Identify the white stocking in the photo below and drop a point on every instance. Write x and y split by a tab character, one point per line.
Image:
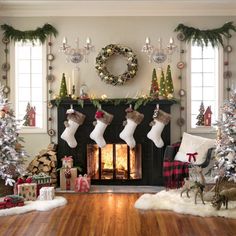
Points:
75	119
97	134
69	133
155	133
128	132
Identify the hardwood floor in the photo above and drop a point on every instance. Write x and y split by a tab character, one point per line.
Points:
111	215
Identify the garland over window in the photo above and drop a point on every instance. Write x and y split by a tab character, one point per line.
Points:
105	54
204	37
40	34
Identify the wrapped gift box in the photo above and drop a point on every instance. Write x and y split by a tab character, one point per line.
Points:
82	183
41	178
28	191
21	180
68	183
47	193
39	186
67	162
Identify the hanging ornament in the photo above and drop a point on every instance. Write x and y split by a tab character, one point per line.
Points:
180	65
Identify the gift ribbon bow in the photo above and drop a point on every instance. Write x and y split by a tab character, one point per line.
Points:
22	181
192	155
99	114
67	158
81	178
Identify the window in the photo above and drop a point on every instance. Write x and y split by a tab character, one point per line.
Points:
204	85
30	86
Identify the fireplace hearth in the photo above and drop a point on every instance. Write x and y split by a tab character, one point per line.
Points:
116	163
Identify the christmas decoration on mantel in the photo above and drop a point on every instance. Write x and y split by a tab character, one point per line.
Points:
154	91
40	34
105	54
203	37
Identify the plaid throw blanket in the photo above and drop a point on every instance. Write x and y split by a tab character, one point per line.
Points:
174	173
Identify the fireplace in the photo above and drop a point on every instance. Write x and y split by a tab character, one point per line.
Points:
115	164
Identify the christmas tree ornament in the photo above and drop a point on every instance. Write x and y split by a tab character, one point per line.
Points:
162	91
103	119
154	91
133	118
200	116
63	89
74	120
169	87
160	119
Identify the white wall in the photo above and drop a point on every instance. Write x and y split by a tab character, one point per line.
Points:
129	31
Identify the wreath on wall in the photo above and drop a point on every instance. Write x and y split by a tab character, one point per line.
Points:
204	37
103	57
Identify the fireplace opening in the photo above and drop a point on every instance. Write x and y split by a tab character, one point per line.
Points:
114	162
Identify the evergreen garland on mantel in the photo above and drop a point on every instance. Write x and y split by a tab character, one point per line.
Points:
40	34
204	37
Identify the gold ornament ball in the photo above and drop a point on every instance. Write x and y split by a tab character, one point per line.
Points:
55	96
73	96
170	96
2	114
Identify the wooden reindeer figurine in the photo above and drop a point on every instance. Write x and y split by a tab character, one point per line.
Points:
197	186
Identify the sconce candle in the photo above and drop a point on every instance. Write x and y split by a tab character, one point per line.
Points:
158	54
76	55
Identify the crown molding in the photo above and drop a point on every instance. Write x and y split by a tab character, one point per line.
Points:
117	8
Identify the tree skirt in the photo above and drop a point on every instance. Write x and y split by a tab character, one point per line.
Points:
171	200
35	206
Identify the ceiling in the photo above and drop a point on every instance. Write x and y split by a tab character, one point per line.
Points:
118	8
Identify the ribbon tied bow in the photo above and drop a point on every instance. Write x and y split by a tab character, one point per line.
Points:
192	155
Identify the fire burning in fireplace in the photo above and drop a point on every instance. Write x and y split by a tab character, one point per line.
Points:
115	161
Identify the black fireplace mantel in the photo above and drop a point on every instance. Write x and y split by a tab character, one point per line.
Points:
152	157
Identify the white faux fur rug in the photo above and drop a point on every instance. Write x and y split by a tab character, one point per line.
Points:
35	206
171	200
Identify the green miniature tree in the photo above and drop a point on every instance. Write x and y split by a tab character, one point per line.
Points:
154	91
162	91
169	87
63	88
26	117
200	116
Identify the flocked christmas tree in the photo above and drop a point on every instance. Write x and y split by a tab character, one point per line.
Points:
26	118
162	91
226	139
200	116
154	91
169	84
63	88
12	155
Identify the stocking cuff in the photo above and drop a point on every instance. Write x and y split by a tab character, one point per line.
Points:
104	117
163	117
76	117
135	116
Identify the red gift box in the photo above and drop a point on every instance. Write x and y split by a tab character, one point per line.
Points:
82	183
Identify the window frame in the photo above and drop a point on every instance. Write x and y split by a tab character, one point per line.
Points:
206	129
13	98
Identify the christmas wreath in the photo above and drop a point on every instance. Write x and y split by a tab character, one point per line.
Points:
103	57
